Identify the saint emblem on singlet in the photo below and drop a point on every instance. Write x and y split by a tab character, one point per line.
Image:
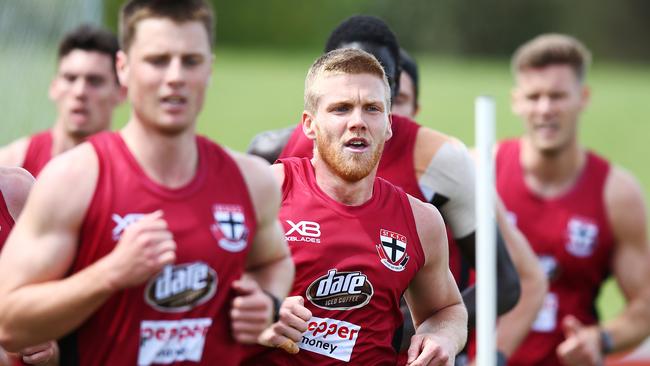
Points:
392	250
582	236
230	227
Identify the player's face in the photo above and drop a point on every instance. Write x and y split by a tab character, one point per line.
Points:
550	100
85	92
167	70
404	103
351	123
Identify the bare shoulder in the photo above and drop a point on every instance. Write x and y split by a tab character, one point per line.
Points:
14	153
622	190
430	142
625	203
15	184
262	186
65	186
429	225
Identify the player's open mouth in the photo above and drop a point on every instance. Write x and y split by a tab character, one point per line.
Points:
175	100
356	144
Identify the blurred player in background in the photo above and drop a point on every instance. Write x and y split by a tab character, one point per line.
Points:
584	217
85	90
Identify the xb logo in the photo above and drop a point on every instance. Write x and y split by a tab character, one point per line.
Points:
304	228
121	223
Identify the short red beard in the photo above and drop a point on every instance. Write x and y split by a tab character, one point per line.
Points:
349	168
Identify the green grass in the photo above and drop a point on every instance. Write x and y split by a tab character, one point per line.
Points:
253	91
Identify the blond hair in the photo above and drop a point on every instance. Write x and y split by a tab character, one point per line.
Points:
342	61
552	49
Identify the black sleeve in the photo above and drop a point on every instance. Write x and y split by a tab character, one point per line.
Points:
508	286
269	144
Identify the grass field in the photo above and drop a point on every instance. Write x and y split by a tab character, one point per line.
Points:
256	90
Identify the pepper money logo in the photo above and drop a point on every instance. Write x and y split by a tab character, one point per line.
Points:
181	287
340	290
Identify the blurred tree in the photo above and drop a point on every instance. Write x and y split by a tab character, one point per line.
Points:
615	29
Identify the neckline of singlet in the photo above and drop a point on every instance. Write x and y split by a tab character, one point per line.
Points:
586	168
369	206
170	193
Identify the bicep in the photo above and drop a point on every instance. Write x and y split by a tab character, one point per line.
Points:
628	218
433	287
43	242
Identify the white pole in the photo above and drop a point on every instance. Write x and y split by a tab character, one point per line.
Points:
486	234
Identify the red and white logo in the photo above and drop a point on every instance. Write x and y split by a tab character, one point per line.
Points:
582	236
392	250
230	227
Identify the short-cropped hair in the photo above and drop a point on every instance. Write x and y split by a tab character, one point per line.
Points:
552	49
342	61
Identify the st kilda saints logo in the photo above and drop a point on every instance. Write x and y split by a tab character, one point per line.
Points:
392	250
181	287
230	221
340	290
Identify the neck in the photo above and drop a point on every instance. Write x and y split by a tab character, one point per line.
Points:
63	141
169	160
551	174
340	190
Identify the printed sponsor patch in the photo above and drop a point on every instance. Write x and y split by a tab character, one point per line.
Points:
330	337
546	320
303	231
181	287
121	223
169	341
340	290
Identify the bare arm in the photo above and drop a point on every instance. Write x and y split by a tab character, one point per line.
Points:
14	153
444	166
269	260
41	249
439	316
515	324
628	216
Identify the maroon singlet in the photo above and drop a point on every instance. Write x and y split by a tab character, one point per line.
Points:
39	152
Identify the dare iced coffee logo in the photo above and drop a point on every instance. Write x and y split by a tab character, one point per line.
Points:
340	290
181	287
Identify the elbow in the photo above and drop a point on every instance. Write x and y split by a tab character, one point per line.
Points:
539	288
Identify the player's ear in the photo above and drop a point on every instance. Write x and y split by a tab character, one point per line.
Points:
389	127
308	125
52	92
121	64
585	96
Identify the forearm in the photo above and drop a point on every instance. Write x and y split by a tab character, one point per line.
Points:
63	305
449	324
513	326
631	326
275	277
